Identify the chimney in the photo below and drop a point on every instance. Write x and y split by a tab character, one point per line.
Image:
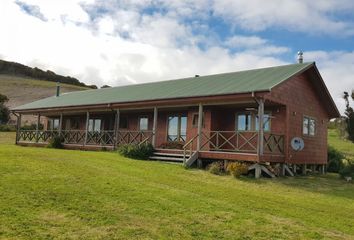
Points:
300	57
58	89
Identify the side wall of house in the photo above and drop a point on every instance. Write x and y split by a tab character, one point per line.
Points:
301	99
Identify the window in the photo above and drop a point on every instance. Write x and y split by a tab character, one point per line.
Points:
266	123
123	122
53	124
177	128
195	120
309	126
244	122
143	123
94	125
249	122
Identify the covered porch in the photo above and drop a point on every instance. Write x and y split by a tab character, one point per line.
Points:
227	131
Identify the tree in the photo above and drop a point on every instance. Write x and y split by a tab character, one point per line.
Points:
349	115
105	86
4	111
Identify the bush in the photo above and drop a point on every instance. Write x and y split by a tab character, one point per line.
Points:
347	170
335	160
7	128
56	142
172	145
216	168
237	169
136	151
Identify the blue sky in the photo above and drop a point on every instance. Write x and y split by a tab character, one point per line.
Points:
126	42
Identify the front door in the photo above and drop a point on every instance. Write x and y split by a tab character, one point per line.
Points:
177	128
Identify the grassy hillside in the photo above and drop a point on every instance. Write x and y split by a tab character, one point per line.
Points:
63	194
21	90
343	146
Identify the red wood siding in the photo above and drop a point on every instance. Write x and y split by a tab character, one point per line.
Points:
301	99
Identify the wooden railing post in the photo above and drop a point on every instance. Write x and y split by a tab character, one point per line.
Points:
260	144
37	127
116	129
60	124
154	127
200	126
87	125
200	122
18	127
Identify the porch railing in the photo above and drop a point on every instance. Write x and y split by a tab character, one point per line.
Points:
134	137
233	141
36	136
105	138
100	138
240	141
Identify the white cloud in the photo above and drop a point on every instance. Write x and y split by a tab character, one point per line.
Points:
337	70
124	46
307	16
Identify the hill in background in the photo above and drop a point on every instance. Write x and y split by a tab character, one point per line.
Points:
17	69
23	84
22	90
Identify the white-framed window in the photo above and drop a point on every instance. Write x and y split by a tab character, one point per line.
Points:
143	123
94	125
309	126
248	121
53	124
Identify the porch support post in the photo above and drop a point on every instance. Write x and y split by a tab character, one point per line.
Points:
60	123
87	125
200	122
154	127
18	127
200	126
260	128
116	129
37	127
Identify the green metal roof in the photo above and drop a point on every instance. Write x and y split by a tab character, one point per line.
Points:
219	84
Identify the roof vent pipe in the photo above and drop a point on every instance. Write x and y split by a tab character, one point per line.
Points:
58	89
300	56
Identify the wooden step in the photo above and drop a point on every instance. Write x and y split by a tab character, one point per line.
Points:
170	154
164	158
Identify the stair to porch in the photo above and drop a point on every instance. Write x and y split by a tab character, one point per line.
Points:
169	157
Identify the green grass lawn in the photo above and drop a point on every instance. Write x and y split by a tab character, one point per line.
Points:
63	194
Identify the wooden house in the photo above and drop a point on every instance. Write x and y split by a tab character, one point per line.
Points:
291	101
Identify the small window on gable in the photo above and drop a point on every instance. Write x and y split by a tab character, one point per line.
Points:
309	126
195	120
143	123
123	122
